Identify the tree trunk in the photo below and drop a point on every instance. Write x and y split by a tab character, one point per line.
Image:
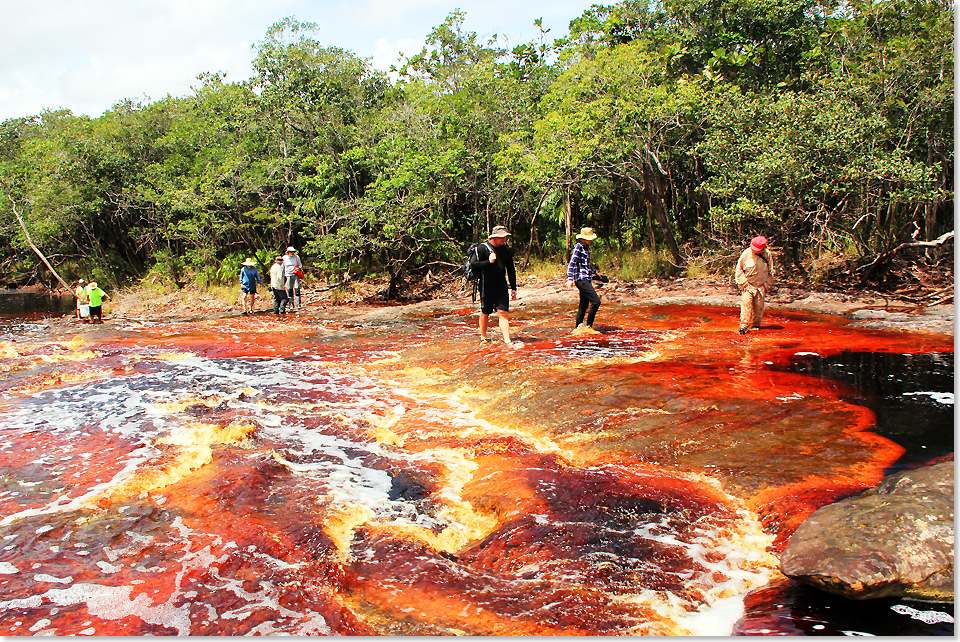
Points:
26	233
652	189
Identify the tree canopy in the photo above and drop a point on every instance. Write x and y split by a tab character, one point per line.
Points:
679	127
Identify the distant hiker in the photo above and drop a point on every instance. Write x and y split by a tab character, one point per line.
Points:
292	272
249	277
97	297
494	263
754	277
581	273
83	301
279	286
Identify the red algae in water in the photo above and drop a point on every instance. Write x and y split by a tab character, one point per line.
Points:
288	476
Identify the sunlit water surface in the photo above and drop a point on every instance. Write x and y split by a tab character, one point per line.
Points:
300	476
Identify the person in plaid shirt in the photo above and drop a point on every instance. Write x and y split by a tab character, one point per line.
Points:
581	273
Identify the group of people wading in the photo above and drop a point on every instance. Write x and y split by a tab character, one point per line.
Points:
498	282
285	276
493	261
90	300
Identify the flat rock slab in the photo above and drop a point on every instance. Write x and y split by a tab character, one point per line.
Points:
894	540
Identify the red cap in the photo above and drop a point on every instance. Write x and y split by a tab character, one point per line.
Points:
758	243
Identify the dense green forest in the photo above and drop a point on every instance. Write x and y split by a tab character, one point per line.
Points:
678	129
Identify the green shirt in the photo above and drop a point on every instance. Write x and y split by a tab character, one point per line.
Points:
96	297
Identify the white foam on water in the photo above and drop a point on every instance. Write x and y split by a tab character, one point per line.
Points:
716	620
927	617
945	398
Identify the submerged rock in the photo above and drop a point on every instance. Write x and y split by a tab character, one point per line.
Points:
894	540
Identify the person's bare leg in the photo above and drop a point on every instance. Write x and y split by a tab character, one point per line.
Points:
505	326
484	322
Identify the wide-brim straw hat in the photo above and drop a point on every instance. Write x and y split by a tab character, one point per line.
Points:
499	232
291	249
92	285
587	233
250	262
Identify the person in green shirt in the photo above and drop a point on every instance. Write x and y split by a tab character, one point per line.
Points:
97	297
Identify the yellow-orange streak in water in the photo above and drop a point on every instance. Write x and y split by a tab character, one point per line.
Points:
191	450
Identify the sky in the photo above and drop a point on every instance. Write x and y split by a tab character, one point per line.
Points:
87	55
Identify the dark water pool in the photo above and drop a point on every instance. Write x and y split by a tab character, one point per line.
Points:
911	394
35	303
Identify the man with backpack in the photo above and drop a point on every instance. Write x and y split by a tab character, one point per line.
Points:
493	262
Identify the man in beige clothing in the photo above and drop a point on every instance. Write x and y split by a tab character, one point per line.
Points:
754	276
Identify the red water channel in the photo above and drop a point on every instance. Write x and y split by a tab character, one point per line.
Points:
300	476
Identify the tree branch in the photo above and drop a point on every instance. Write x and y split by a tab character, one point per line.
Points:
26	233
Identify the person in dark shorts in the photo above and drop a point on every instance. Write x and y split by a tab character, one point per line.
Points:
494	263
97	297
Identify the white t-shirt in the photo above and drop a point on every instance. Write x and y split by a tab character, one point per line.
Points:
290	262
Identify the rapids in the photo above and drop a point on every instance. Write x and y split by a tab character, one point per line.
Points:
387	475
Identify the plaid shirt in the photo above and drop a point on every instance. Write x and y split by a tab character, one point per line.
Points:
580	267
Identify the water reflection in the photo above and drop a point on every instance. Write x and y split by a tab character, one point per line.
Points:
386	476
19	302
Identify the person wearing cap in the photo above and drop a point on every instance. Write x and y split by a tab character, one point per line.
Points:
83	299
249	277
581	273
754	277
278	286
97	297
494	263
292	265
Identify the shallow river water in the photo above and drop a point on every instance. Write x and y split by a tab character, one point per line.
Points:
257	475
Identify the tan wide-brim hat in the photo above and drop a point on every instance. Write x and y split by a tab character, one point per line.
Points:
587	233
290	249
250	262
92	285
499	232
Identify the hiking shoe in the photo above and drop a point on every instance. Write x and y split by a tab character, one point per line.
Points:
743	329
584	329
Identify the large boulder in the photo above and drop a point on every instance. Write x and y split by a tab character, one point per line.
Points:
894	540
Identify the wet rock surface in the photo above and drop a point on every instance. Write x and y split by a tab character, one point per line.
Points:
894	540
866	309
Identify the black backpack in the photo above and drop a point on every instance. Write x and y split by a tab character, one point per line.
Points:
472	255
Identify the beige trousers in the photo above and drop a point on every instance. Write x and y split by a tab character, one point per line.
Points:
751	307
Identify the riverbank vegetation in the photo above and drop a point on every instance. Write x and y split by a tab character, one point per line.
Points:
677	129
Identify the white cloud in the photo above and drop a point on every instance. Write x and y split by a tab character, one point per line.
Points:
88	55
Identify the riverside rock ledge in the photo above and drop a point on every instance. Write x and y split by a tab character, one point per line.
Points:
893	540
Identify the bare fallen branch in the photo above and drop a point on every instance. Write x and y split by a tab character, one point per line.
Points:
883	257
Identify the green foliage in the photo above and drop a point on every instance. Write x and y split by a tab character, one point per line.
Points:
676	128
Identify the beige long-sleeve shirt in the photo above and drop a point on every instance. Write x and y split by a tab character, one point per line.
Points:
753	270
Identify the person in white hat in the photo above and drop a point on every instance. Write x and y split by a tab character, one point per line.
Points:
581	273
494	263
97	297
292	268
83	300
249	277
